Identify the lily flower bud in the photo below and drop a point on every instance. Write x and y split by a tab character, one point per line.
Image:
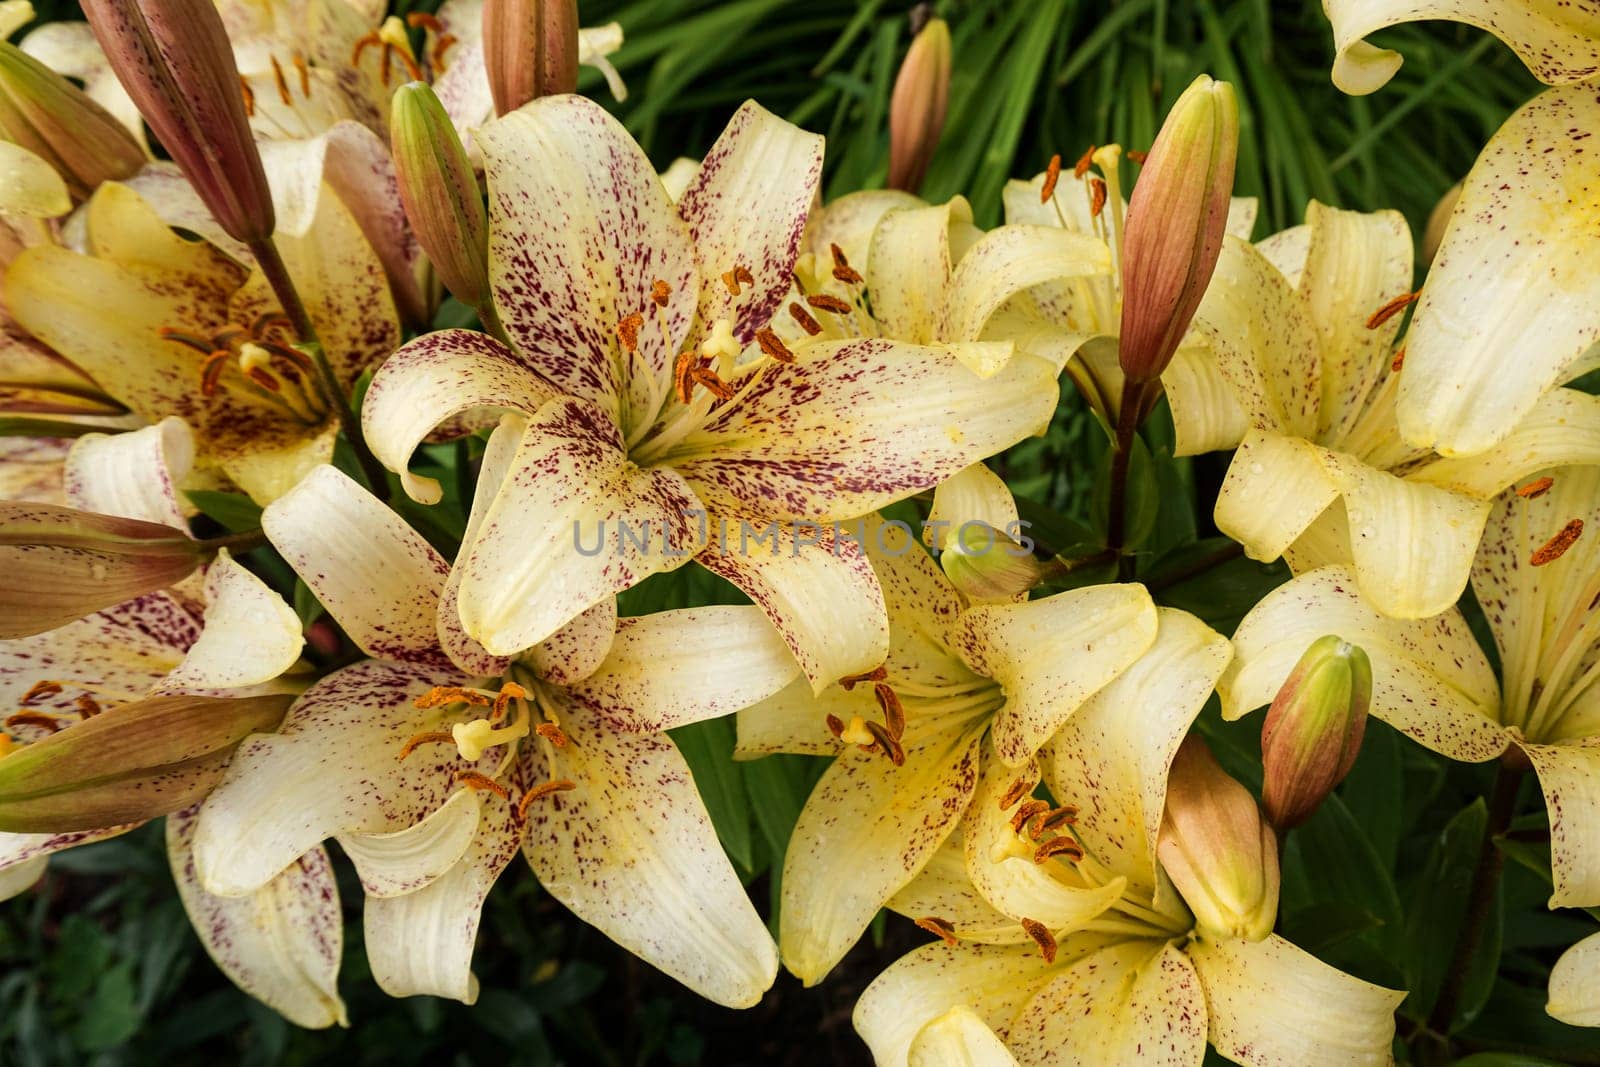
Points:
1220	853
61	564
58	122
988	564
917	106
440	192
1313	730
530	48
1176	220
128	764
174	59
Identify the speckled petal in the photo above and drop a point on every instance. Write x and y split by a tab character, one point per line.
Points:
865	832
795	720
1205	414
575	651
1429	678
564	656
850	222
683	666
282	943
1560	42
972	494
959	1038
378	577
23	857
910	269
579	231
574	522
122	652
434	379
1575	984
1110	760
1569	775
1134	1002
943	890
1563	428
1273	1005
1051	655
747	208
816	587
1008	261
249	635
632	852
1512	281
852	426
20	877
134	474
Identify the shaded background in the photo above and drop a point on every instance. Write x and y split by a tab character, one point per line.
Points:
98	962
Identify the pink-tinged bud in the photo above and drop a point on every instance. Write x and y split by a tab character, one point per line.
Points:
134	762
61	564
1176	220
1220	853
440	192
917	107
1313	730
58	122
174	59
530	48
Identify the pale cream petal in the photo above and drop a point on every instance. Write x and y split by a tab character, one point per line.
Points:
281	944
135	475
747	208
909	270
29	187
1563	428
1569	775
249	635
815	586
1575	984
1051	655
1011	260
633	853
162	185
1429	678
851	221
401	862
973	494
24	857
573	652
378	577
1511	285
678	667
1205	413
70	49
1242	213
1137	1002
574	522
865	832
113	656
1288	250
678	175
421	943
958	1038
852	426
565	655
1274	1005
1559	42
20	877
795	720
579	231
1110	760
944	890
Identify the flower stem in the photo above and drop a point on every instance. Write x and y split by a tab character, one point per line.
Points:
1480	901
1133	396
277	275
243	541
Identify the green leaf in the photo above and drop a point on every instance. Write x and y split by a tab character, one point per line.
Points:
708	749
1332	864
1374	791
111	1016
235	511
1439	905
1142	498
306	604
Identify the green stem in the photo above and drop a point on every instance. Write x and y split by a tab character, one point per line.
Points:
1226	554
1133	395
244	541
277	275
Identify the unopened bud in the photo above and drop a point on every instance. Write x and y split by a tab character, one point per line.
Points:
988	564
440	192
530	48
135	762
174	59
917	107
58	122
1218	850
1176	221
61	564
1313	730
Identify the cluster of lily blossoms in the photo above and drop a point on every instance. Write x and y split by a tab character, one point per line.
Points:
660	359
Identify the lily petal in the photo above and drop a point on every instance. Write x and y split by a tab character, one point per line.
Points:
134	474
1562	429
564	656
1569	775
401	862
1573	984
20	877
851	221
1011	260
943	890
1430	679
794	720
575	651
1205	413
121	652
1274	1005
910	269
747	208
250	635
281	944
1509	281
865	832
632	852
958	1038
972	494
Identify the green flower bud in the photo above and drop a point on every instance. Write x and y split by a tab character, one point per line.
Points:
530	48
987	564
1313	730
918	105
134	762
58	122
440	192
1218	850
1176	221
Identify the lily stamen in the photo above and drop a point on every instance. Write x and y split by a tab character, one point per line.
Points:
433	737
440	695
1058	846
481	783
1392	308
281	82
544	789
1080	168
890	744
1025	813
43	688
842	270
33	718
1536	488
552	733
894	713
1052	174
304	70
1042	937
249	95
850	681
807	322
773	346
1557	546
939	928
824	302
1097	197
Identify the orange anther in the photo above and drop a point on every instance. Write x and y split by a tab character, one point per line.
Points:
481	782
552	733
1058	846
1557	546
891	745
835	725
1097	197
451	694
824	302
803	317
425	20
939	928
211	371
1026	811
1052	174
1532	491
1055	819
1015	792
731	280
263	379
683	376
742	274
660	292
894	713
249	95
628	331
282	84
1042	937
40	689
508	692
850	681
1136	156
87	706
707	379
1398	361
1392	308
773	346
33	718
432	738
1080	168
559	785
304	70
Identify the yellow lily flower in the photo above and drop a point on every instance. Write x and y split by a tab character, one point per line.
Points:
968	692
1082	952
1299	371
434	764
1559	41
169	326
658	397
1537	575
224	633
